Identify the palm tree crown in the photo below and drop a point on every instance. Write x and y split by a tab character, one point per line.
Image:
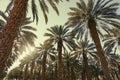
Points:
96	15
57	33
43	5
101	11
24	38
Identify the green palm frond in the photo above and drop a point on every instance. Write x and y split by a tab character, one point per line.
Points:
27	21
25	37
100	10
57	33
83	5
111	42
86	47
44	9
9	7
53	6
2	14
43	5
29	28
90	5
34	11
2	21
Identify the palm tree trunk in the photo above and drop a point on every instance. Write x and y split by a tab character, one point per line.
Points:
113	77
9	32
25	72
31	70
44	66
56	72
117	75
39	73
59	47
73	76
68	71
87	69
97	77
104	64
83	75
65	75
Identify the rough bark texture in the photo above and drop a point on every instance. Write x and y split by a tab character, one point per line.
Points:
44	66
83	75
86	66
73	76
95	37
68	71
39	74
9	31
60	60
25	72
32	70
55	73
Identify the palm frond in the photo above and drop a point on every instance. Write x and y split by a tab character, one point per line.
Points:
90	5
29	28
10	5
3	15
44	9
53	6
34	11
2	23
83	5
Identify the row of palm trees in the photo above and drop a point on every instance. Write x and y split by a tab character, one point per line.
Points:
75	59
86	19
25	37
17	10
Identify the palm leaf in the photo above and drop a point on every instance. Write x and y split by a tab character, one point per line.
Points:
81	8
48	34
83	5
29	28
43	8
3	15
53	6
34	11
90	5
2	23
9	6
97	6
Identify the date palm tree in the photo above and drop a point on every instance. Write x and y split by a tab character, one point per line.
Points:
84	51
42	55
24	38
59	35
71	66
43	5
114	65
9	31
111	43
16	18
95	16
47	53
